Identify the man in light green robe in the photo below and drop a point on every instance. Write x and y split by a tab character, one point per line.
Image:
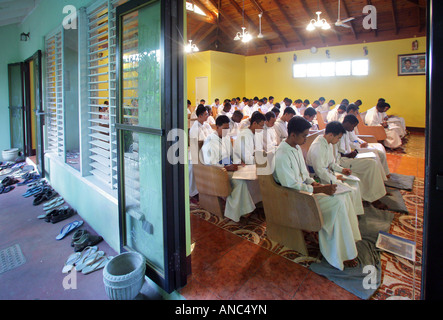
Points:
340	225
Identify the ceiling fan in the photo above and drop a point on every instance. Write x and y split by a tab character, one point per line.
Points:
342	23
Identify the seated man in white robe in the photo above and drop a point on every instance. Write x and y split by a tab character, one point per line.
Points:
322	164
198	132
337	114
210	120
276	110
247	109
326	106
242	104
270	104
345	145
226	110
371	182
264	106
363	146
299	107
216	103
269	135
375	117
340	224
322	102
244	154
398	123
280	125
309	115
217	151
234	124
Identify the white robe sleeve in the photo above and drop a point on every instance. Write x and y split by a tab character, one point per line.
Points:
287	174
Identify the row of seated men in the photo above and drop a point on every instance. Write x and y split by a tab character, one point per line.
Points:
395	127
331	162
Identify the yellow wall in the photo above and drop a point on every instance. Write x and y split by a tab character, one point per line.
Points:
198	65
227	76
225	72
405	94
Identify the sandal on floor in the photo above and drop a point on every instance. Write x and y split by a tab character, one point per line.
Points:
45	196
78	258
97	265
67	228
32	191
50	203
6	189
85	241
77	235
49	214
62	215
89	260
69	264
55	204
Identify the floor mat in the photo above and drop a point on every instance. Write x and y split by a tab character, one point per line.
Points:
11	258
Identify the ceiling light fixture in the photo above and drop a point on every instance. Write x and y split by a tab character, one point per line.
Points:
244	36
191	47
319	23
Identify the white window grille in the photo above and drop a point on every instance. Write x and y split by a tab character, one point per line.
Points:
102	86
54	92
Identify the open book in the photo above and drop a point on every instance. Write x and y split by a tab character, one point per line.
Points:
394	244
248	172
365	155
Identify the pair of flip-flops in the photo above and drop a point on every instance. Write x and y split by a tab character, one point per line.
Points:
46	195
60	214
29	177
33	191
9	181
54	203
6	189
85	240
68	228
88	261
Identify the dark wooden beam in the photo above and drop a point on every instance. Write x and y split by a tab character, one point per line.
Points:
251	23
351	23
312	16
208	12
192	33
270	22
394	15
221	14
288	20
208	31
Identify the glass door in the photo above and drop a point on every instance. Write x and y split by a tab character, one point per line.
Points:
16	117
150	100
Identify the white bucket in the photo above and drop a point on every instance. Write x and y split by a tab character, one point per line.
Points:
10	154
124	276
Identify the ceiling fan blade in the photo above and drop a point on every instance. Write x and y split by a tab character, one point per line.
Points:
341	24
347	20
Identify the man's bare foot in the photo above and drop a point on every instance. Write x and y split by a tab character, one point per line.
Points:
379	205
351	263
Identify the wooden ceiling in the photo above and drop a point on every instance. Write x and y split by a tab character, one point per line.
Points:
283	23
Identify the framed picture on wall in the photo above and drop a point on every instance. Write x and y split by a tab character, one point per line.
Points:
411	64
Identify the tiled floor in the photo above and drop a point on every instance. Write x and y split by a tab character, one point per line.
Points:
41	277
226	266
